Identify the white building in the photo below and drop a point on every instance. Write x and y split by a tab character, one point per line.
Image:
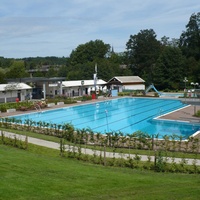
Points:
12	91
82	87
124	83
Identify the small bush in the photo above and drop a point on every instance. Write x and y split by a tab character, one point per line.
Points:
197	114
86	97
156	94
166	90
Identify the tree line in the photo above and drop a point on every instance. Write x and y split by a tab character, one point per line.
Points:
165	62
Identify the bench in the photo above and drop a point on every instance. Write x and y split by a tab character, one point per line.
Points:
11	110
50	105
60	103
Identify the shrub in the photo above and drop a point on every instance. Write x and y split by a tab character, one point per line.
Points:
166	90
86	97
156	94
24	105
197	114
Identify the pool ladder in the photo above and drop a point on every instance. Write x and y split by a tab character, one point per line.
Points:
38	108
160	112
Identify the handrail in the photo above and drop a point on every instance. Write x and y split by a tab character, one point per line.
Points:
37	107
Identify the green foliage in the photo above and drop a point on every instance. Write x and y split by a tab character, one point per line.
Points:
197	114
89	52
52	72
160	164
124	93
142	52
5	62
86	97
169	69
15	142
190	39
24	105
62	98
2	76
33	63
17	70
193	69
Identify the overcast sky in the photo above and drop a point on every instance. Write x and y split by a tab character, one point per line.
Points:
30	28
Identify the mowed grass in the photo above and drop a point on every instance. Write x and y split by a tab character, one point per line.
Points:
40	173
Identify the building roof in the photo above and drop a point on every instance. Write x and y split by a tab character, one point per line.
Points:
36	79
14	86
126	79
85	83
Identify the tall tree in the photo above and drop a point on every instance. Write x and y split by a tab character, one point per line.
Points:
142	51
193	70
190	39
2	76
89	52
170	70
52	72
17	70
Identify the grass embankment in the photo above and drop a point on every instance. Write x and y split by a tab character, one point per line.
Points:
39	173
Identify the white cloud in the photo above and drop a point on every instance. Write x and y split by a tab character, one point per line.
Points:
49	27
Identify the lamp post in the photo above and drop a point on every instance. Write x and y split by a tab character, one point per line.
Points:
185	81
194	84
95	80
82	83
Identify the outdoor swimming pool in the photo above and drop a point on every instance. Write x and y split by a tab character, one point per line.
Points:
127	115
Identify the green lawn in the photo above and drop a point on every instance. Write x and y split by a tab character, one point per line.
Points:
40	173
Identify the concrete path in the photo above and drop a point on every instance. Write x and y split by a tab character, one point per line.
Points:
55	145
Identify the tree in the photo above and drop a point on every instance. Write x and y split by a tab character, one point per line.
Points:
169	70
62	71
2	76
86	56
5	62
89	52
17	70
52	72
166	42
142	52
193	69
190	39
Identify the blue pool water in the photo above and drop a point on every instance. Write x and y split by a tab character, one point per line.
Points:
127	115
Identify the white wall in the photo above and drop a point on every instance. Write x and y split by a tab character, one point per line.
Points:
134	87
78	90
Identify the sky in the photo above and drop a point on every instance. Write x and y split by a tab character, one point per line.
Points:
31	28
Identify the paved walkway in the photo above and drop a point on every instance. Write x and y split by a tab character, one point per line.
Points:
55	145
184	114
5	114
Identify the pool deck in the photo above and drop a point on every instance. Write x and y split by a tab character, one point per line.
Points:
185	114
5	114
